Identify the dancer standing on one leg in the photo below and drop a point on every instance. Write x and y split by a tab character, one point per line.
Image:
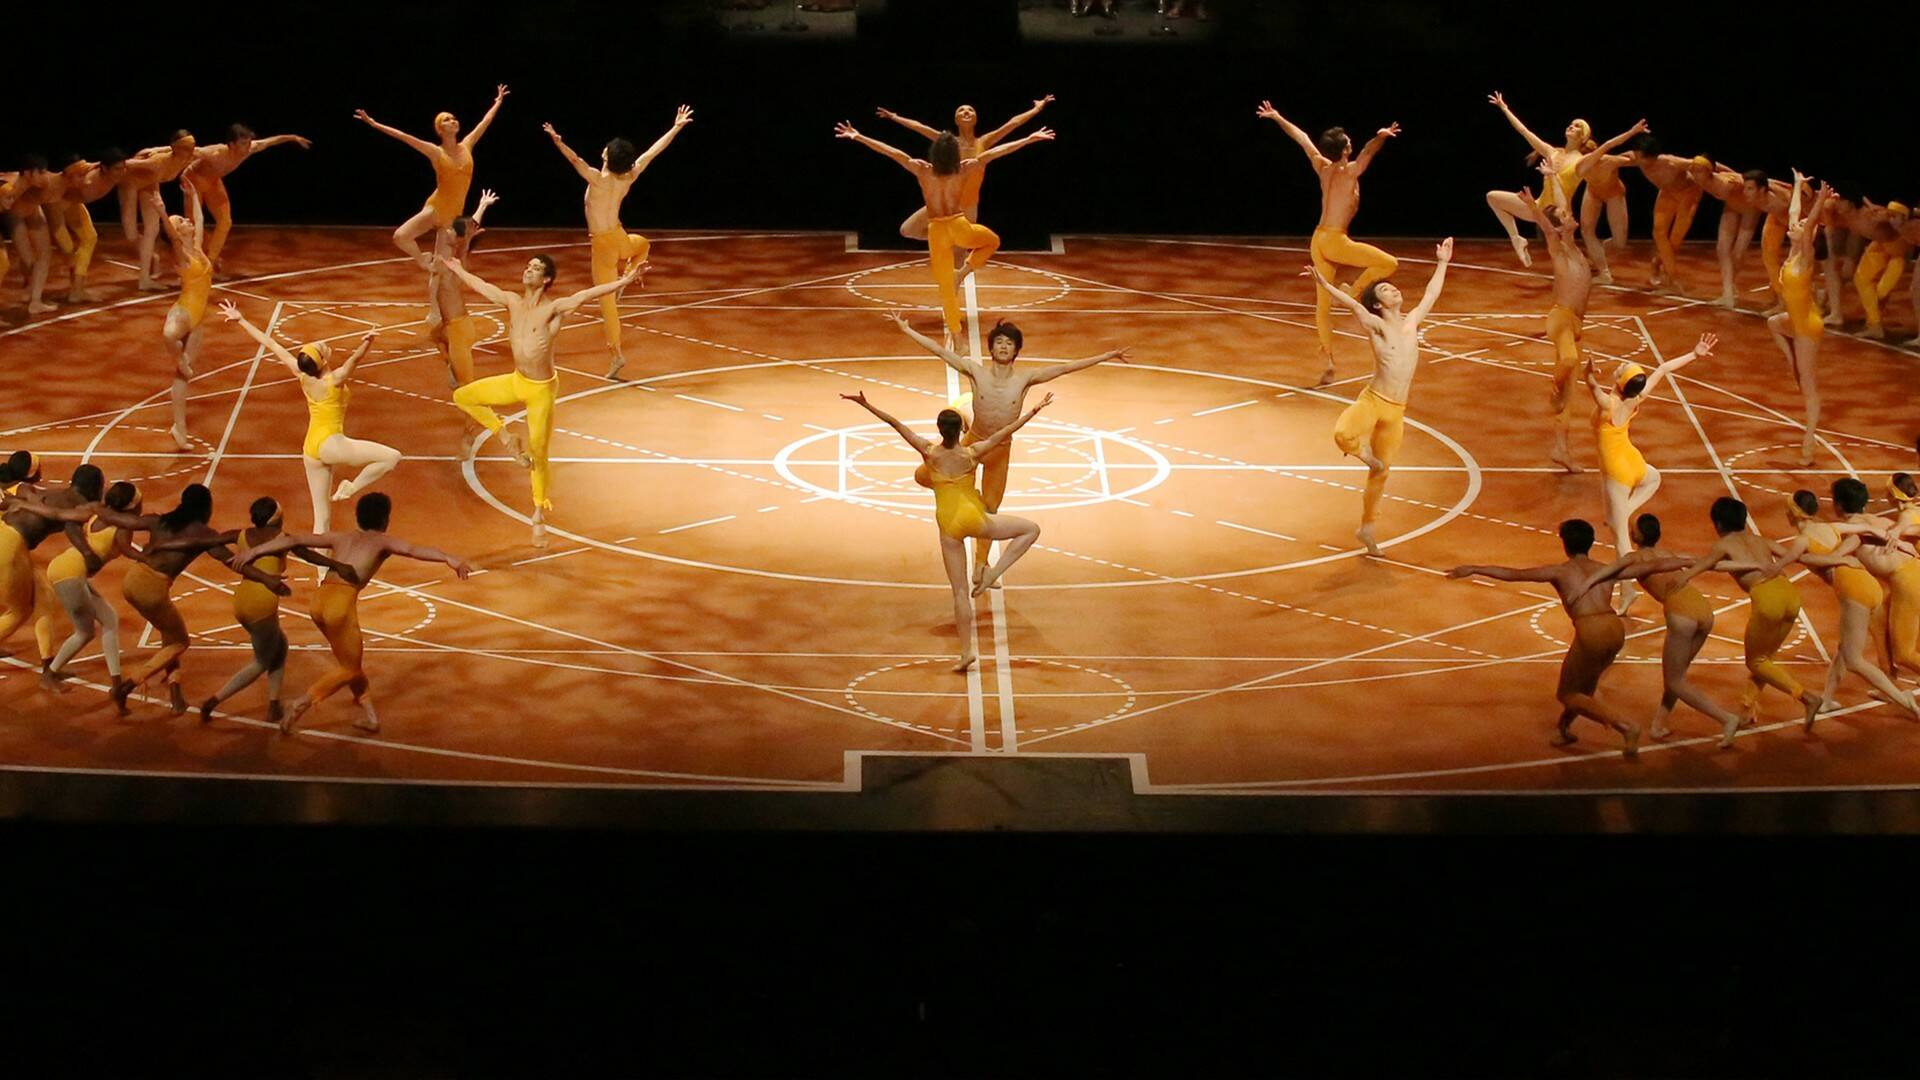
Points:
208	176
614	248
1598	634
1754	564
1798	329
1339	172
945	181
1689	624
958	511
999	394
336	607
1371	428
87	181
182	330
1626	480
450	328
452	159
532	319
142	211
327	446
1742	202
1561	163
1673	209
1821	548
971	146
1572	284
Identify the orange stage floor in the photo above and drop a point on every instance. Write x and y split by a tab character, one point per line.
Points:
744	589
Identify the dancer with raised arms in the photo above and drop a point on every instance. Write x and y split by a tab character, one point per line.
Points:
211	167
452	159
1562	166
972	145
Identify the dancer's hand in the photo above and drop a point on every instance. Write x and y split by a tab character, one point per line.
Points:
1044	402
1120	354
1460	572
450	262
500	93
1041	103
1389	131
683	116
361	114
1445	251
551	133
897	319
461	568
230	311
884	114
281	588
859	397
1705	346
1043	135
301	141
636	273
1639	128
487	198
845	130
1266	111
367	338
1497	98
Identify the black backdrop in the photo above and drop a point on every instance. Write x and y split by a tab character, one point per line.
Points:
1154	138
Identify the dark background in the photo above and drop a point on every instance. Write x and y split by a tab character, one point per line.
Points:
1155	137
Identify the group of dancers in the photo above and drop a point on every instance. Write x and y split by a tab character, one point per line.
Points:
1855	550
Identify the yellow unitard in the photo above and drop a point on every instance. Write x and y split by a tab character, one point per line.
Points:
1877	272
958	509
614	251
196	284
336	612
943	235
1332	248
461	335
149	593
993	487
1775	604
1380	424
213	196
1794	283
1563	329
75	234
451	180
25	594
477	399
1673	211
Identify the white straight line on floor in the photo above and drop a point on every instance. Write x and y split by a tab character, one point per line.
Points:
1224	408
1251	529
696	524
976	707
239	401
715	404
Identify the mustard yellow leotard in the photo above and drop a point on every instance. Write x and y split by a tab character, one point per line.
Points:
336	614
1688	603
1903	604
957	507
1775	604
1849	582
1620	460
254	603
1796	292
451	179
1563	329
326	417
196	282
70	564
1569	180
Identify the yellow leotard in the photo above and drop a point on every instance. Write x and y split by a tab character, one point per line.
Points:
1775	604
450	182
1850	582
1796	291
1688	603
957	507
326	418
69	564
1569	181
196	282
1620	460
254	603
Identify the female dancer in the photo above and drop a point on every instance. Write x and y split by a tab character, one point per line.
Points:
1822	549
1598	634
1754	564
1626	480
1798	329
327	447
1565	160
1903	604
25	594
971	146
71	576
182	328
959	511
1689	623
1888	558
452	160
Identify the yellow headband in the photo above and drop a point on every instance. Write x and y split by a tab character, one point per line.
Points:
1898	208
1896	496
312	352
1627	374
1703	159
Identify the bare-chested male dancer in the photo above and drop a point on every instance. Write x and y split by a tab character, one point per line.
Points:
1572	284
1598	634
1371	428
451	329
1673	209
971	146
614	248
999	396
532	319
208	175
1339	170
87	181
141	207
1743	199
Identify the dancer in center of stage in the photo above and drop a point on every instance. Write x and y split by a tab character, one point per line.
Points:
1563	165
452	159
1339	171
182	330
1371	428
1626	480
614	248
336	607
451	329
999	393
1689	624
1598	634
958	511
327	447
971	146
208	176
1798	329
532	320
1572	284
946	180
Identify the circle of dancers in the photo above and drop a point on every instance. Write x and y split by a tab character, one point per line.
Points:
1867	557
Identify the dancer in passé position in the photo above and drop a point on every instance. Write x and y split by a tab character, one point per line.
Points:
972	145
1562	164
1799	328
1372	427
1598	633
1339	171
452	159
1572	285
958	511
183	330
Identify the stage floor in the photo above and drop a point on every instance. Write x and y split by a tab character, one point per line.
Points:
744	590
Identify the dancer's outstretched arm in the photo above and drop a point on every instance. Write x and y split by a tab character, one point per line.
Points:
986	445
1540	146
998	152
1048	374
1442	255
913	438
1703	348
952	359
231	312
272	141
991	138
479	129
567	305
1372	149
409	550
914	126
484	288
585	171
1615	143
345	371
419	144
1508	573
914	165
1266	111
1367	318
681	118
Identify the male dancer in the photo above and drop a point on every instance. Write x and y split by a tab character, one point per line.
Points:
614	248
208	175
971	145
1370	429
999	398
1673	208
336	606
1605	194
1743	199
141	207
1572	283
1598	634
532	319
1339	171
33	190
946	180
449	326
87	181
1883	261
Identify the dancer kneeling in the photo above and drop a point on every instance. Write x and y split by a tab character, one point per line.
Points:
959	511
1598	634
